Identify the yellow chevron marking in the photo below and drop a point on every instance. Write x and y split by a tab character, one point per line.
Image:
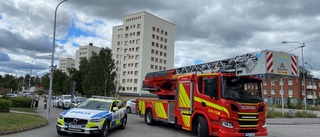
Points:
184	96
160	111
216	106
142	107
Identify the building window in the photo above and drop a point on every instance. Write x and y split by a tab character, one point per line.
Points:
264	83
165	47
153	28
151	66
157	38
138	33
264	91
152	44
152	58
127	28
136	73
165	40
137	57
156	52
135	81
156	67
137	65
152	51
138	41
272	92
156	59
164	62
158	30
160	60
137	49
272	82
153	36
302	82
166	33
135	89
165	54
161	31
289	82
290	93
139	26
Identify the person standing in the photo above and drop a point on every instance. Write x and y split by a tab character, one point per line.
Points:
37	100
45	102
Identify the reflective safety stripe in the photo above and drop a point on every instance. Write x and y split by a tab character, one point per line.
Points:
210	104
186	119
142	107
184	100
160	111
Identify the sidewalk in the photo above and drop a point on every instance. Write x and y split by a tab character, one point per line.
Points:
292	121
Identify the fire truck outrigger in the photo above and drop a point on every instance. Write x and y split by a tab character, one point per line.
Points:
219	98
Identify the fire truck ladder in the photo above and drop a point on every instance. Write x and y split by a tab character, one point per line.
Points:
238	63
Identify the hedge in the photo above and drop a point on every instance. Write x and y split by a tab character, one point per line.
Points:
5	105
23	102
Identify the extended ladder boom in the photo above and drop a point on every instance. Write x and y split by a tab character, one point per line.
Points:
265	62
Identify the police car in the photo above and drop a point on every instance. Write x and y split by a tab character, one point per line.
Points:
93	116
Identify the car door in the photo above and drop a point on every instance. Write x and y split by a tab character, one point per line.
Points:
122	109
115	115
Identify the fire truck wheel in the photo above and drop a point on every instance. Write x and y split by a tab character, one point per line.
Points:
148	117
202	127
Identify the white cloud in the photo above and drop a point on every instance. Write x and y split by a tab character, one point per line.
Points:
213	30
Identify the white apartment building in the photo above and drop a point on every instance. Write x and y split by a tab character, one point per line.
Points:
144	43
85	51
66	63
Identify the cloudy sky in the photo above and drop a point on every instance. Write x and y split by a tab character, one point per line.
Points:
206	30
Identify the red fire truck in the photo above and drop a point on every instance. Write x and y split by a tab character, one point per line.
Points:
219	98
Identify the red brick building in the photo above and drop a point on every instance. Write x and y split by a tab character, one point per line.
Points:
293	88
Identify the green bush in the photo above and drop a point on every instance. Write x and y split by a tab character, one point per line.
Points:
305	114
5	105
23	102
299	104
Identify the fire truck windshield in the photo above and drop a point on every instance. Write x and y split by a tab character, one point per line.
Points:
241	89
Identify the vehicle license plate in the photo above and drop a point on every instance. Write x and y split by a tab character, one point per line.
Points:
75	126
249	134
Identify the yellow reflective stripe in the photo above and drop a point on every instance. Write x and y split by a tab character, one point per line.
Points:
142	107
216	106
160	111
243	113
184	96
186	120
118	121
248	125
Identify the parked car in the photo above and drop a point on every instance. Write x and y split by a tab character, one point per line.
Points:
76	101
56	100
64	102
94	116
131	106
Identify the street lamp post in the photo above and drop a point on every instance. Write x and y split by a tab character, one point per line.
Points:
302	45
311	82
52	58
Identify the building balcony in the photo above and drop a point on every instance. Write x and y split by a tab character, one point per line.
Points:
310	97
311	87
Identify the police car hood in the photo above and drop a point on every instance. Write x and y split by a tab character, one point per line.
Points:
84	113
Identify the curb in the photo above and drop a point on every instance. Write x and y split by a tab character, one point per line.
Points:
23	129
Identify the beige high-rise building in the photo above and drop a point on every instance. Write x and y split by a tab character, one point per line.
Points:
144	43
85	51
66	63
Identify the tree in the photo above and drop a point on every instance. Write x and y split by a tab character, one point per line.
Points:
76	76
9	81
289	102
45	81
98	74
58	82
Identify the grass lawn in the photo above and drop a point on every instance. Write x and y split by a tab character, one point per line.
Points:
12	121
23	109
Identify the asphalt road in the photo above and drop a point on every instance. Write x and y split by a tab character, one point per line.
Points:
136	127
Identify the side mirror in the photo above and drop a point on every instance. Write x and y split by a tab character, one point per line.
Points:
115	109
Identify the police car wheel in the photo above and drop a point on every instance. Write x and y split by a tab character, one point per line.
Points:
105	130
124	123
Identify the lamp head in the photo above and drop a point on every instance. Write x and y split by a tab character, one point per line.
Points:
284	42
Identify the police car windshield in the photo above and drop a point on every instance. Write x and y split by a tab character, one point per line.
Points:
95	105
